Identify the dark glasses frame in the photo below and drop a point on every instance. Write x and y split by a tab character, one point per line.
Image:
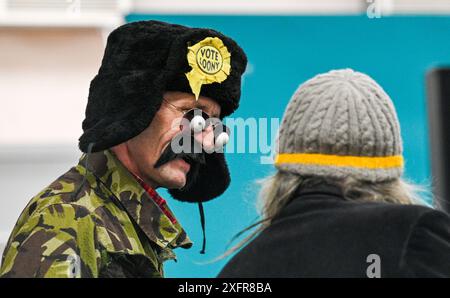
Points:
216	123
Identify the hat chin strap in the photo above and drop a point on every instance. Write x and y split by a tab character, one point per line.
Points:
203	223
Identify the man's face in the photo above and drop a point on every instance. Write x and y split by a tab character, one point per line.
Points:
146	148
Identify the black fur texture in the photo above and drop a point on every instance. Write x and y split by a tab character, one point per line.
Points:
207	178
213	178
142	60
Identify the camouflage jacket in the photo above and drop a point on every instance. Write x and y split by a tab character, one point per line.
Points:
96	220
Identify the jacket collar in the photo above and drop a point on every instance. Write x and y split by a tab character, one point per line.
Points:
156	225
322	189
307	195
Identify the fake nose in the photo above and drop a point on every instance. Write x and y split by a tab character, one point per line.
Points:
207	131
206	138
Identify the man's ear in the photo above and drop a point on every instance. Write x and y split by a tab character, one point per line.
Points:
212	180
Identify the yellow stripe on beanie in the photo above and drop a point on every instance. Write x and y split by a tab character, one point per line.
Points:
364	162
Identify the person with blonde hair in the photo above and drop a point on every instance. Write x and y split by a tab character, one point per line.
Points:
337	205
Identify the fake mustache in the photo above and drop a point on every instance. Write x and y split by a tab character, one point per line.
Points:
193	155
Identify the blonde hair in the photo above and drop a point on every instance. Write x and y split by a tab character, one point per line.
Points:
277	190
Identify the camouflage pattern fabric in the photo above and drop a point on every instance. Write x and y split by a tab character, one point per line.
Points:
96	220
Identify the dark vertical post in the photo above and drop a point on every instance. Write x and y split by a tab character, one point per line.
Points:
438	98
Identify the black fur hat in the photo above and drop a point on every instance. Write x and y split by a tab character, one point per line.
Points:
143	60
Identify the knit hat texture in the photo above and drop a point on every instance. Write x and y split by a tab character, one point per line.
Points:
341	124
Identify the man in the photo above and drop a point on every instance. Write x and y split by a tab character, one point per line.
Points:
156	88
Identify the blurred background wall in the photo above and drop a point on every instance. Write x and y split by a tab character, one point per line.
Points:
50	50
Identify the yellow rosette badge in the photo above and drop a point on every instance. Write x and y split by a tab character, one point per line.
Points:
210	62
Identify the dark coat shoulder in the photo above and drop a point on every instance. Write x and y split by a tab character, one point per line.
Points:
320	234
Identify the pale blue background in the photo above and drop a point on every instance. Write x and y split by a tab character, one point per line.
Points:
285	51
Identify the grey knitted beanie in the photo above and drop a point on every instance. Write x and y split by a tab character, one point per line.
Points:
341	124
